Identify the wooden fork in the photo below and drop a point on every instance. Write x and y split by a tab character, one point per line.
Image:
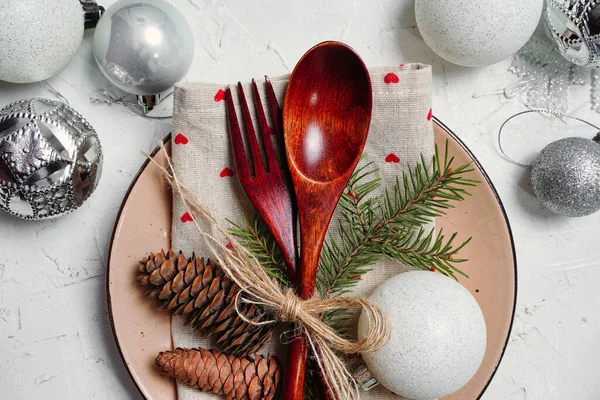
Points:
268	187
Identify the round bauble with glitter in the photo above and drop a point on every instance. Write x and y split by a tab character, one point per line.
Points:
566	176
476	33
50	159
38	38
144	47
438	336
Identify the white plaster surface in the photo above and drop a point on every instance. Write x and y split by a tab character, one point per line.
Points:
55	338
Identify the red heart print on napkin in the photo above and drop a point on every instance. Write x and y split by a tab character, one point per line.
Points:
391	78
181	139
220	96
187	217
430	115
392	158
226	172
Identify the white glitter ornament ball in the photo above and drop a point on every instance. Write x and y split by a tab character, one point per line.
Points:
438	335
475	33
38	38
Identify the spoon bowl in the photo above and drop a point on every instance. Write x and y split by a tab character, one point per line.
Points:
327	112
326	117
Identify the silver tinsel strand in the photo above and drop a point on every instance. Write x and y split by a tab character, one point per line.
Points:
549	75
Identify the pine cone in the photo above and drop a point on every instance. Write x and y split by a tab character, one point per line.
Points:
205	294
243	378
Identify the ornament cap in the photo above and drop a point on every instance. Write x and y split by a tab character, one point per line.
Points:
91	13
363	376
149	101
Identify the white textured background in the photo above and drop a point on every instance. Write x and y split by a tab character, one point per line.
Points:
55	338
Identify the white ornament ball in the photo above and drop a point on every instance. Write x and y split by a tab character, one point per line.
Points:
438	335
38	38
475	33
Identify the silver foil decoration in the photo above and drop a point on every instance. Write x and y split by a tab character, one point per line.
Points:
575	27
566	176
50	159
596	90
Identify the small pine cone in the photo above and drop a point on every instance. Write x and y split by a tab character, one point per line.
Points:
206	296
246	378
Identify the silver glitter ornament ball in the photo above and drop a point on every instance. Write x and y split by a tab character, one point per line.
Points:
566	177
143	47
50	159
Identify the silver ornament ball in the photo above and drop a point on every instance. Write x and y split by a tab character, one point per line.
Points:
566	177
50	159
143	47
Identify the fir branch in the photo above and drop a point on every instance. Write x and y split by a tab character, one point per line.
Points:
258	240
421	195
426	251
392	224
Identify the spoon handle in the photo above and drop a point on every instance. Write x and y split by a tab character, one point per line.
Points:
313	228
295	371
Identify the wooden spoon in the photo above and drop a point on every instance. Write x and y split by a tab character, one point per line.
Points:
326	117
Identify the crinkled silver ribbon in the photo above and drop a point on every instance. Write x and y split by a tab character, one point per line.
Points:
549	76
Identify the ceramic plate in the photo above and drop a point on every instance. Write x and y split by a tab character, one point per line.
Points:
144	223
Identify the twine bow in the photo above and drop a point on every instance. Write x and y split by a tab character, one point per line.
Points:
257	287
288	307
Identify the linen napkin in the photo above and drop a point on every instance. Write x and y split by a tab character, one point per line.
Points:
401	130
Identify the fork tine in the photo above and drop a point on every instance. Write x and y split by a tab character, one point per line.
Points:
241	161
277	120
275	111
257	162
265	131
